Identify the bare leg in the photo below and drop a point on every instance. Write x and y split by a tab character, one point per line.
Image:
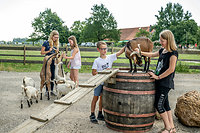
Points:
76	72
72	74
100	103
93	104
169	113
166	121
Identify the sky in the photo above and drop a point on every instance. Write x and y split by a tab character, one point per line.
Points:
16	16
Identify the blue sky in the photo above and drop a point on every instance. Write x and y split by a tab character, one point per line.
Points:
17	15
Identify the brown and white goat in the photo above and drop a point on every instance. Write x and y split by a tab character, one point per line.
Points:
45	74
144	44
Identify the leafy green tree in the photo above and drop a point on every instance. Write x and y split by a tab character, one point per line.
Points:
48	21
142	33
174	19
101	25
198	36
76	30
33	38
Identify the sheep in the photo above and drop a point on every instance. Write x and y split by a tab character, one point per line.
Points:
27	81
145	45
29	92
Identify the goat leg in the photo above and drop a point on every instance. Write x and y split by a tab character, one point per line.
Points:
36	98
28	103
145	65
21	104
41	96
149	60
135	69
131	66
48	90
48	95
31	101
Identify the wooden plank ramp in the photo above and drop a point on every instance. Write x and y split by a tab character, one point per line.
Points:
39	120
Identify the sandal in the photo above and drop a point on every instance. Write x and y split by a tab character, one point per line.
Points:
168	130
173	130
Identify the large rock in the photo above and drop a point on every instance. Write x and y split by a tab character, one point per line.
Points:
188	109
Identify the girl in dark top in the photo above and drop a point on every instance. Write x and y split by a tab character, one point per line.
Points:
50	47
164	76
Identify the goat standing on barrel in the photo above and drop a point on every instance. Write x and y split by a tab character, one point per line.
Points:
143	44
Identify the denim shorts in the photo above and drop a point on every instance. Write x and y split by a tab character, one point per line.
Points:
75	67
98	90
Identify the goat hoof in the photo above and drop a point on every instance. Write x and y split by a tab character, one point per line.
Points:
31	102
130	71
21	106
36	101
134	72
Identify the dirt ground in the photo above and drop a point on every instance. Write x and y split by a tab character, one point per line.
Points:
76	118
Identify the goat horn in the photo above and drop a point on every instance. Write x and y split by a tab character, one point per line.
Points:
134	52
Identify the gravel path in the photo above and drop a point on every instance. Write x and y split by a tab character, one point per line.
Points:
76	118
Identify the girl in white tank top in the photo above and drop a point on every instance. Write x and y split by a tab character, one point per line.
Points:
75	60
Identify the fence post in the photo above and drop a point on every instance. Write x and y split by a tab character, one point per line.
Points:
24	54
112	49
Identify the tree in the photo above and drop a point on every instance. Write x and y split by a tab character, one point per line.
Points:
76	29
174	19
48	21
33	38
198	35
142	33
101	25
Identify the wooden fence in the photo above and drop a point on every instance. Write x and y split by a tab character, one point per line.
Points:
85	49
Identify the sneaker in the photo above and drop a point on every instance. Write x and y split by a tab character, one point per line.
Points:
53	94
100	117
93	119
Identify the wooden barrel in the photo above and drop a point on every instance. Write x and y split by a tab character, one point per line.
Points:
129	103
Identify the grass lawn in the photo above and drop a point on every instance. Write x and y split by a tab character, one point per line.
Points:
19	67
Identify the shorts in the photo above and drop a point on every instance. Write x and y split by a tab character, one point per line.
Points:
75	67
98	90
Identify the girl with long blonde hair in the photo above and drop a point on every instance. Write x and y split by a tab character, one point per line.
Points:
75	60
50	47
164	75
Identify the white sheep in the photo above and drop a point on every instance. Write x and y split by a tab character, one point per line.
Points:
29	92
27	81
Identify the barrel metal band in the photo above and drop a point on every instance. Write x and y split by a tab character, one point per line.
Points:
127	131
135	74
128	115
135	80
124	125
129	92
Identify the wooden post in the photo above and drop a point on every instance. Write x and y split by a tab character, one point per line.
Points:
24	54
112	49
